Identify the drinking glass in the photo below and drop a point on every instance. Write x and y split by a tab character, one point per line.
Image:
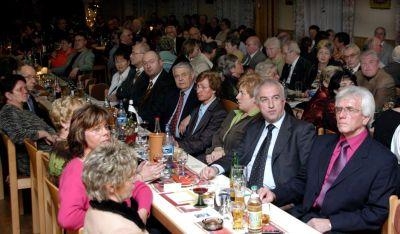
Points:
298	85
79	89
238	180
142	141
266	214
237	209
182	159
200	191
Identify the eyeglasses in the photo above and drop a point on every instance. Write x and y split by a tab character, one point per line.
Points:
350	56
346	110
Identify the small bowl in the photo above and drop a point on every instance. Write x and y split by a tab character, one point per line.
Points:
212	224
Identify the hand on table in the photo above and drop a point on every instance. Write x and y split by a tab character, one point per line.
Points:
74	72
321	225
47	137
209	173
266	195
150	171
215	155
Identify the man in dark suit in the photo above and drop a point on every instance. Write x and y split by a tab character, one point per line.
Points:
296	70
349	177
181	101
29	73
155	84
170	31
129	88
254	54
288	148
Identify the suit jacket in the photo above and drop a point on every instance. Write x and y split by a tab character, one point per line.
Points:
154	105
358	199
382	86
171	101
196	143
252	62
300	73
291	149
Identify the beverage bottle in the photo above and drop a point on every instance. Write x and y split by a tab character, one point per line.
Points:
235	162
168	148
57	89
121	122
157	128
254	208
131	113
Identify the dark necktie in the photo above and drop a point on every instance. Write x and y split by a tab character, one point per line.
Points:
147	93
68	69
175	117
257	171
337	167
31	106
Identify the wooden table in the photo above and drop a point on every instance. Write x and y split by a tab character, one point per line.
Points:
177	221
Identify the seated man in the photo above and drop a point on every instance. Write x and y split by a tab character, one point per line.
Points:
275	147
348	179
80	62
375	79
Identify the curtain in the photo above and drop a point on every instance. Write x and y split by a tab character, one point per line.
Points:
324	13
348	17
237	11
397	24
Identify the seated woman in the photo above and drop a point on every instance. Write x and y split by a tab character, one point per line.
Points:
109	177
232	70
324	58
206	119
19	124
59	57
124	72
320	110
235	124
60	114
88	130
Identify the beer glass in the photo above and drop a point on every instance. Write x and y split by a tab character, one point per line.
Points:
237	209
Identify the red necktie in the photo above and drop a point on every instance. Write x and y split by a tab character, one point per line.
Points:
337	167
177	113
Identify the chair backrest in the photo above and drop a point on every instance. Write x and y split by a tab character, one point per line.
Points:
229	105
36	166
53	207
394	204
97	91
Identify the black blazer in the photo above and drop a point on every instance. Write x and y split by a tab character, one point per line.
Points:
300	73
291	149
154	105
125	90
314	71
357	201
171	101
196	143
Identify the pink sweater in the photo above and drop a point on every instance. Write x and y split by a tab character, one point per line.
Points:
73	199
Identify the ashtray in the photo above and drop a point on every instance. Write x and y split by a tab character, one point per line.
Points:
212	224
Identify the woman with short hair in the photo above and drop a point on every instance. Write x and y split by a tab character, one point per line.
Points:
109	178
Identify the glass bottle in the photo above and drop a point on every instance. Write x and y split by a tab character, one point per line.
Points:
57	89
254	208
157	129
168	149
121	122
235	162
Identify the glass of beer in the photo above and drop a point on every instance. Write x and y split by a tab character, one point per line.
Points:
237	209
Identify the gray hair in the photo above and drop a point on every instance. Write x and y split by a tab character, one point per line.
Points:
110	164
371	53
269	82
273	41
367	99
396	54
229	61
262	68
183	65
354	47
292	47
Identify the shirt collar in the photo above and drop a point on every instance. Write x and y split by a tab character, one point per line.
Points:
277	123
355	141
251	113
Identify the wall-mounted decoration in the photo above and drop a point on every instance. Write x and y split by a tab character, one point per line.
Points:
379	4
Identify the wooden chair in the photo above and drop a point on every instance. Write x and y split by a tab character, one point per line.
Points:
97	91
37	183
89	82
394	203
17	183
1	181
229	105
53	206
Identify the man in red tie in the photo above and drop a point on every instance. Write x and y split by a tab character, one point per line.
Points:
349	177
183	100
